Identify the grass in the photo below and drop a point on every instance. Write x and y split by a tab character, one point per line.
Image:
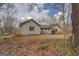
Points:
6	36
36	45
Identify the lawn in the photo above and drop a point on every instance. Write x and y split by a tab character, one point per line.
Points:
36	45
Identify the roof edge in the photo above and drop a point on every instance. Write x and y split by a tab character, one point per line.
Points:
29	21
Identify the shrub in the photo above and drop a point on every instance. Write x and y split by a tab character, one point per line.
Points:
54	31
60	32
1	34
18	34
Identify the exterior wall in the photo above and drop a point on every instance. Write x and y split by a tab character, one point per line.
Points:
25	28
46	31
49	31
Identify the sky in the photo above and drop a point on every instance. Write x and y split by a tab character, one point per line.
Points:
31	10
38	11
53	9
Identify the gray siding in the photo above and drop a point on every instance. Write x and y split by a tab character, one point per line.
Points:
25	28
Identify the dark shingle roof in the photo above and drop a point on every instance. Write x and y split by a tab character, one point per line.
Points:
49	26
53	25
42	26
45	27
28	21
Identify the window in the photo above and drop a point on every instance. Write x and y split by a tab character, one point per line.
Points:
31	28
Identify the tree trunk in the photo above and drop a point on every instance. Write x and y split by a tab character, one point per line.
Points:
75	24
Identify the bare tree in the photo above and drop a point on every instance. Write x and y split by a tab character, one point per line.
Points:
61	17
9	18
68	11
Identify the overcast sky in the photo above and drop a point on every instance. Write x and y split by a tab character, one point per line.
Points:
38	11
31	10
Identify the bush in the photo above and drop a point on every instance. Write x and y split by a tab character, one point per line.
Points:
54	31
1	34
18	34
60	32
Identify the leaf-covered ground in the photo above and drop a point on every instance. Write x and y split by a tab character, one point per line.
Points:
36	45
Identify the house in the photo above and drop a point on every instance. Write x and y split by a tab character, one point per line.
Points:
47	29
32	27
